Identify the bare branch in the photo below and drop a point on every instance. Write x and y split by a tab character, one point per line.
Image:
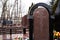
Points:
4	8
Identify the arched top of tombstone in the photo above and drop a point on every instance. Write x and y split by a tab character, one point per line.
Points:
37	5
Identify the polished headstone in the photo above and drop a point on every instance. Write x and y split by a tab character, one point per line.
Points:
41	24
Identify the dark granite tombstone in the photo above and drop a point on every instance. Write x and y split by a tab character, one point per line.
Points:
57	17
41	24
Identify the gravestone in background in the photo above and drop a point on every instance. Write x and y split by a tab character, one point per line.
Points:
41	24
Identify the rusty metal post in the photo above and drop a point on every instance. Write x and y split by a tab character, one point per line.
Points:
10	34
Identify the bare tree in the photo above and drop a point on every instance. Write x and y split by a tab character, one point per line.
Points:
55	6
4	8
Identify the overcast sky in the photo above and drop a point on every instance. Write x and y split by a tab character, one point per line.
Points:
25	4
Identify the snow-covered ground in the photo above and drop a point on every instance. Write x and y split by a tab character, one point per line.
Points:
14	36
